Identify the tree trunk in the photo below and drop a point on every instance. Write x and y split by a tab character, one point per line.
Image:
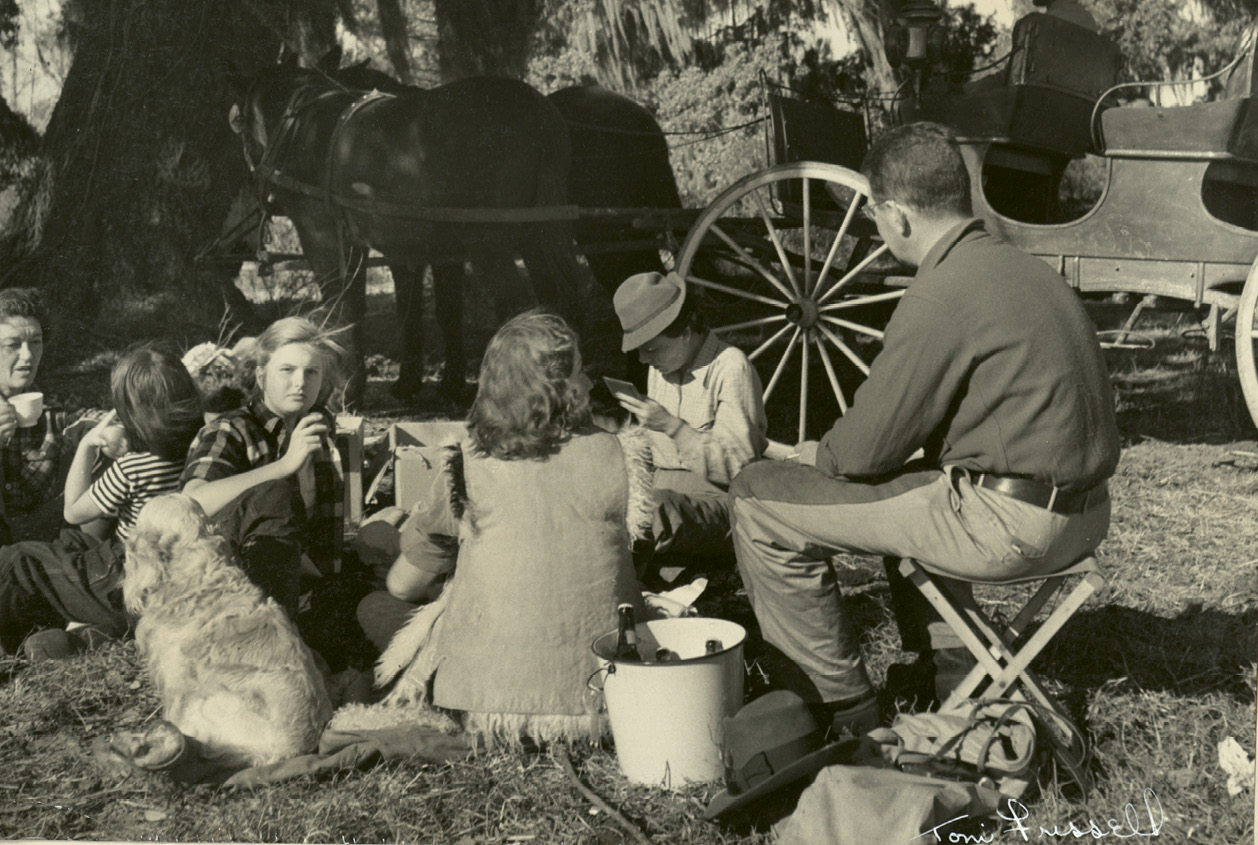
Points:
868	21
484	37
397	42
139	166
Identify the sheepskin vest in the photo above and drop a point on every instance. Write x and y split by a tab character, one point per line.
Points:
544	558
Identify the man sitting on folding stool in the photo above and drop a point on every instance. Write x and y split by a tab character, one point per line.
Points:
991	367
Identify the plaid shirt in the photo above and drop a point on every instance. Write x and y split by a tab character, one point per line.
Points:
34	459
253	436
718	397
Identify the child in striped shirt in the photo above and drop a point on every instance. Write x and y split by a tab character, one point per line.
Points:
77	578
159	407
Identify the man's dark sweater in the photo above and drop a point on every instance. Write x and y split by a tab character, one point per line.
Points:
989	363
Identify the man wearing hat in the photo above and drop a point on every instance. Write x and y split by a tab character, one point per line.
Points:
991	368
703	409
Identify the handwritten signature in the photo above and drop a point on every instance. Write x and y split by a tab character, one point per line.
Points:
1017	815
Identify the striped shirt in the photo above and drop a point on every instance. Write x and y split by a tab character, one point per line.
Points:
128	485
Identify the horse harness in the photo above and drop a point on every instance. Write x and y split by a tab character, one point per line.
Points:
269	171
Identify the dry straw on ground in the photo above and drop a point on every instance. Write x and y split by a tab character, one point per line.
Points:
1158	672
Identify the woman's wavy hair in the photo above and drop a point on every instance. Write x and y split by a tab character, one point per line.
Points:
305	332
157	402
525	407
23	302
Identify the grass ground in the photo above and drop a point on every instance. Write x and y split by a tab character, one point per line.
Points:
1158	672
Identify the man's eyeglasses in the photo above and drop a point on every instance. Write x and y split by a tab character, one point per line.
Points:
868	210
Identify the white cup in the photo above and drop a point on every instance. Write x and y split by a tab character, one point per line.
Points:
29	407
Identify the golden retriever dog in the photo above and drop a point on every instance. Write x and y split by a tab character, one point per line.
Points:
231	670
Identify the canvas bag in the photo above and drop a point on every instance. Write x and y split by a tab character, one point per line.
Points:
993	741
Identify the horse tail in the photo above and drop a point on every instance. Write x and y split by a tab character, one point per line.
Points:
548	248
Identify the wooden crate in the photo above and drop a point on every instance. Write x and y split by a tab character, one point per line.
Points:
416	450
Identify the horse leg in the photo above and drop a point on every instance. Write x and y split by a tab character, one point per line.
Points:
495	267
552	264
447	287
341	274
408	295
348	307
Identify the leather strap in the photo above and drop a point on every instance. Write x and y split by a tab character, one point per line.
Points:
1043	495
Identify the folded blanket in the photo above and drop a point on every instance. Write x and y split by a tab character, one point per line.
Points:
338	750
360	750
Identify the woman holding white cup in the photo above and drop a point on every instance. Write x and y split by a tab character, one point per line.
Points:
36	443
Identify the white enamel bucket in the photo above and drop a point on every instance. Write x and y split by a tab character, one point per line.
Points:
667	717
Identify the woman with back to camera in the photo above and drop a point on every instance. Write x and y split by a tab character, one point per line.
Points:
531	522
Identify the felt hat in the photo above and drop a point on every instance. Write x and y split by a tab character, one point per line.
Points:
646	304
770	743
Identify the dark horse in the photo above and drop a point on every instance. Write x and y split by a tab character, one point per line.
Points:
472	171
619	160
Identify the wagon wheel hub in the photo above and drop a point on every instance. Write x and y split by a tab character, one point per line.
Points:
796	275
803	313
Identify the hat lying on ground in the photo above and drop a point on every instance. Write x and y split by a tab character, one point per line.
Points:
770	743
646	304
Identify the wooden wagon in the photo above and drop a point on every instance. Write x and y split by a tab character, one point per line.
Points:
1177	217
795	274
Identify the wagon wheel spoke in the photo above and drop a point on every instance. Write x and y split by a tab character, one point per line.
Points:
845	349
751	324
857	301
848	324
777	372
803	385
760	350
772	232
807	284
851	274
824	354
848	217
788	257
732	291
752	262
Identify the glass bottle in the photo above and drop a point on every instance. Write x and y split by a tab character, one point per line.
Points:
626	635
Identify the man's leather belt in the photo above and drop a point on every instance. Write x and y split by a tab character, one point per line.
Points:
1044	495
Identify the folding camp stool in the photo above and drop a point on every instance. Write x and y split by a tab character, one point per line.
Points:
998	655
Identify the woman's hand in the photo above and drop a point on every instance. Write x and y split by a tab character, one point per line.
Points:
650	413
8	421
307	438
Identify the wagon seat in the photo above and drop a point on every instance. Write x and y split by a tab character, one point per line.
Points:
1222	134
1226	128
1035	115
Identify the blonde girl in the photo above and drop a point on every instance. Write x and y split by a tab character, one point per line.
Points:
268	472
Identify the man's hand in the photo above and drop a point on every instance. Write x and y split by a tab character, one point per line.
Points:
8	421
307	438
805	453
649	412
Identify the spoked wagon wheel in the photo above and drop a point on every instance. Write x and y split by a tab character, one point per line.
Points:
793	273
1246	338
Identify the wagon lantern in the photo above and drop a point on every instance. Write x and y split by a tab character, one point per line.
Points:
916	38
